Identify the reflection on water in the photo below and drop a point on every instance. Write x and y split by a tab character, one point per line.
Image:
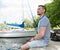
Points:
12	43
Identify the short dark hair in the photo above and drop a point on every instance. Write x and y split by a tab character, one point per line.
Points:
43	7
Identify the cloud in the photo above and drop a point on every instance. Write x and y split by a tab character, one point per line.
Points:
2	5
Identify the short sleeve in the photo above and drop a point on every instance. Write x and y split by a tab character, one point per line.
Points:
44	23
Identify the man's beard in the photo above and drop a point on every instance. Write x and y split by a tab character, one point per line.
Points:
38	14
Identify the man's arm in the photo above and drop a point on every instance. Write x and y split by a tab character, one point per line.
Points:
41	34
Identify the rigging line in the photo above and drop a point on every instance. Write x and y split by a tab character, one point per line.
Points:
31	14
30	8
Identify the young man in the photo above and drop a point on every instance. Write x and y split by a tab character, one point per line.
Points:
43	36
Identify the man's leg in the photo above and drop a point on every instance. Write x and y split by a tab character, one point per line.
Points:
25	47
32	44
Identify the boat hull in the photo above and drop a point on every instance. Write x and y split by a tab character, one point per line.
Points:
18	34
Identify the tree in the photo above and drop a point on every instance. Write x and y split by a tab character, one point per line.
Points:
28	24
53	12
36	18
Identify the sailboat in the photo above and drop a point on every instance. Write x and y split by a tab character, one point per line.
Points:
19	33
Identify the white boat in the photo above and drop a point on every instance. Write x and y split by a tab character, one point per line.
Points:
18	33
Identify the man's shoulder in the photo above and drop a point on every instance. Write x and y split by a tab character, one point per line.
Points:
45	18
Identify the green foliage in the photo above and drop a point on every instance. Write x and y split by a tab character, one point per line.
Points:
28	24
3	27
53	12
36	21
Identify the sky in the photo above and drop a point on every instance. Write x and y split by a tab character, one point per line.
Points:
13	11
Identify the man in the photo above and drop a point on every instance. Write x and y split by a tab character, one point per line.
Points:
43	36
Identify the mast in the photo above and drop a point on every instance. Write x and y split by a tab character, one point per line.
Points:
22	7
31	14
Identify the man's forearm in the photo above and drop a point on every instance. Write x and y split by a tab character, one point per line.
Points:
41	34
38	36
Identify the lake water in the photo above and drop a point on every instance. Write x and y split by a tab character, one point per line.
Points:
12	43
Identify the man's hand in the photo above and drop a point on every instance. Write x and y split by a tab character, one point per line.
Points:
31	39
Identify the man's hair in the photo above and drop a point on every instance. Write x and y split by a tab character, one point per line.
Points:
42	7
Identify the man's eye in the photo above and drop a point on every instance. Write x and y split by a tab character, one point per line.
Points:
38	9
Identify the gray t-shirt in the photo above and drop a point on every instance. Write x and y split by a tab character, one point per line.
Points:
44	22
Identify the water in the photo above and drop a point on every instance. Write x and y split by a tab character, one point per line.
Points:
12	43
10	46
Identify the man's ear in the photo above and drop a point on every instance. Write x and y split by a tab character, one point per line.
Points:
44	10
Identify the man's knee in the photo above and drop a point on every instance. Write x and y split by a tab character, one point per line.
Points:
25	46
